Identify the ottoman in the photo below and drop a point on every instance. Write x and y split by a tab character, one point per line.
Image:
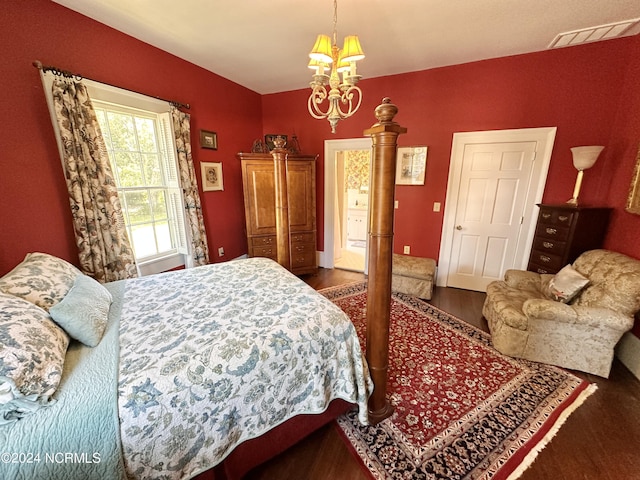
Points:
413	275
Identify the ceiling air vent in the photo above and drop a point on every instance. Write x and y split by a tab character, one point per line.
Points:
594	34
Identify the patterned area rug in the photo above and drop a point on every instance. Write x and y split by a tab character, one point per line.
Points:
462	409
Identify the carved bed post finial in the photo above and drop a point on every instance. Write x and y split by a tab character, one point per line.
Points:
384	135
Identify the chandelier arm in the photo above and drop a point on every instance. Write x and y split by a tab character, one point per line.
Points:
347	98
315	99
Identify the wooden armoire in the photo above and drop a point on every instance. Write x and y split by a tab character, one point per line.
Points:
280	208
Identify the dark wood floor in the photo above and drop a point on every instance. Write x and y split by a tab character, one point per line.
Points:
599	441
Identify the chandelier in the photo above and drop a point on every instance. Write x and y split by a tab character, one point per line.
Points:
326	56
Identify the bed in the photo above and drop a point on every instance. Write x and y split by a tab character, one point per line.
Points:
218	366
190	365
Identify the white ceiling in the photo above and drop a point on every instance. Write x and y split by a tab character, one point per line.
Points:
264	44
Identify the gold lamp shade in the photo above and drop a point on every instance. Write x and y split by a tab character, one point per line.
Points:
351	50
321	50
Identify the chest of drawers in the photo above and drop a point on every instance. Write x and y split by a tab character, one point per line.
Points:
563	232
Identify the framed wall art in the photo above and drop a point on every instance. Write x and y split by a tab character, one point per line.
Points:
411	165
208	139
211	176
633	200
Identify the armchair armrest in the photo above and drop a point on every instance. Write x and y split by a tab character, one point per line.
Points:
563	313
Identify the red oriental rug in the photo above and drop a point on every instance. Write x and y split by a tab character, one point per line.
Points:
462	409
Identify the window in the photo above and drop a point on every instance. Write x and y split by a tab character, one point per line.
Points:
141	149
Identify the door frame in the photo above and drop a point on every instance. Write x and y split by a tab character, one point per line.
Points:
545	137
331	147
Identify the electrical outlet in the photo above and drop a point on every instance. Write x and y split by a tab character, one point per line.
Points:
395	204
436	206
407	249
221	252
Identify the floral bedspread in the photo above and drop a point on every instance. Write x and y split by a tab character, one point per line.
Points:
219	354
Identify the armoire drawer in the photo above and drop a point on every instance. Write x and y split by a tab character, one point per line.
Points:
263	241
302	247
302	259
270	252
306	237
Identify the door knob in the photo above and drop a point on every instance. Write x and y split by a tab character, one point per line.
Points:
458	227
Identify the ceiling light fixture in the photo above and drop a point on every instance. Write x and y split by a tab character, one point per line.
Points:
326	55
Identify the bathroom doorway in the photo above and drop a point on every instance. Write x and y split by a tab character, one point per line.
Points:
349	166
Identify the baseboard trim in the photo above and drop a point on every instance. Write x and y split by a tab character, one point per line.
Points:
628	351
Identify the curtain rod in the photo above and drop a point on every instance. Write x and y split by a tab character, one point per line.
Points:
67	74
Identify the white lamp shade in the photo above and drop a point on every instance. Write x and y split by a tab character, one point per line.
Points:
585	157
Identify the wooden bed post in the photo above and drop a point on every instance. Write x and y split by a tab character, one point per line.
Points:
384	135
282	202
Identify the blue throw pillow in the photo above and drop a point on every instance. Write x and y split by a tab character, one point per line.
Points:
83	312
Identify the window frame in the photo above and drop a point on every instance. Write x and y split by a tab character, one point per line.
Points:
105	95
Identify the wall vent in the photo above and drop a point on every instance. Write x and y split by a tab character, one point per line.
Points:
594	34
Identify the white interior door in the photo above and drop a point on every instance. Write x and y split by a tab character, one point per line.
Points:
489	212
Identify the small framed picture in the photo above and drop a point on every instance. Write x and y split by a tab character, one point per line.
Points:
411	165
208	140
211	176
270	137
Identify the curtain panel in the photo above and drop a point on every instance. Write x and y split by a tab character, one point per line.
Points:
197	235
104	249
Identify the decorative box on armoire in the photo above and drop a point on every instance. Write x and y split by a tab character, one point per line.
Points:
280	208
564	232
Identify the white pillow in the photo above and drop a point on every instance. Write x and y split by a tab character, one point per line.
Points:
41	279
566	284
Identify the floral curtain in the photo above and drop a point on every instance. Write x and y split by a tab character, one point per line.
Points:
193	208
104	249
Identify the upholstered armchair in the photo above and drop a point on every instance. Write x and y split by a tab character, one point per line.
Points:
528	318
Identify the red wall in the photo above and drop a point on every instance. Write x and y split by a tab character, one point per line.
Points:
578	89
35	211
589	92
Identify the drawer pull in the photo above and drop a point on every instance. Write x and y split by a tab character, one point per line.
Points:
551	231
547	244
545	259
563	218
301	248
541	270
546	215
